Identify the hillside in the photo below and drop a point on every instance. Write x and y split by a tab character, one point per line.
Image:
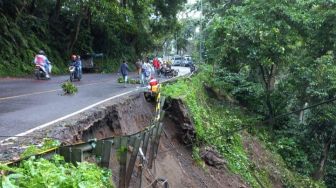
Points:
236	133
119	30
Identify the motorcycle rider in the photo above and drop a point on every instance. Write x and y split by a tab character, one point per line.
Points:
77	63
42	60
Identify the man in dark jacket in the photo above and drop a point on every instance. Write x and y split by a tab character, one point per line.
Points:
124	71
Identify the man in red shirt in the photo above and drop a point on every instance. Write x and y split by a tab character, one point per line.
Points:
156	65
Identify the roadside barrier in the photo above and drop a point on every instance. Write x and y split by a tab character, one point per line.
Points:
125	155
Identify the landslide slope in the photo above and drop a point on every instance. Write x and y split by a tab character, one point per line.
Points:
218	122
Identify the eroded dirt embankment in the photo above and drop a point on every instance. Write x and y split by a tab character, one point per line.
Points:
129	115
122	116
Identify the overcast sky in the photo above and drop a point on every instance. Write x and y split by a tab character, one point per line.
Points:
194	14
191	1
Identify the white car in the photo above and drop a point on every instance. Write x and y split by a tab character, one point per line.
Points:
177	61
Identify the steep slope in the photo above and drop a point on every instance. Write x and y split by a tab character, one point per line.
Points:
218	125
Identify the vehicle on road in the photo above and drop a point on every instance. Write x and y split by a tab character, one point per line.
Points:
88	64
187	61
168	72
40	72
75	73
177	61
192	68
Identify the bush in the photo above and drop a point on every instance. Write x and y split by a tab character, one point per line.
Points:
69	88
129	81
55	173
33	150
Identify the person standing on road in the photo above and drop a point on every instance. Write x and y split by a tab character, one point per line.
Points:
145	73
124	71
138	65
156	65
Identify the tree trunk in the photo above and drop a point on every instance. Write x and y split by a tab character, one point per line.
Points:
58	9
83	11
319	172
32	7
271	77
123	3
75	36
269	86
302	113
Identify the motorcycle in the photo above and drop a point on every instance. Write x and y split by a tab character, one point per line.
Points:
40	72
152	90
169	72
75	73
192	68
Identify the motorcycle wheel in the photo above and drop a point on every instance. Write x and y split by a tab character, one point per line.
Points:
71	77
79	76
37	75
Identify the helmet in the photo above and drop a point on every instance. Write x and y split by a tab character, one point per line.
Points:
73	57
41	52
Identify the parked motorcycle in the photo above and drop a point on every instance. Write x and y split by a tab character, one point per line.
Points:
169	73
75	73
40	72
192	68
152	90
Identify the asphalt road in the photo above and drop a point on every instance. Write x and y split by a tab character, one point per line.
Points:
27	103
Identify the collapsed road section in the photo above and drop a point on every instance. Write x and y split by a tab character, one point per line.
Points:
129	115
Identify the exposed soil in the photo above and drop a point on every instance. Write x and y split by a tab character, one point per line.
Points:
175	163
129	115
174	160
262	159
122	116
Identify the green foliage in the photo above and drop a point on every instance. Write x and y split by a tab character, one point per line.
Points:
107	65
69	88
33	150
216	122
129	81
55	173
121	151
197	157
119	30
212	121
275	57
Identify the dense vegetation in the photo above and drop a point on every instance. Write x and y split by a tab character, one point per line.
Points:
118	29
271	56
275	57
55	173
217	122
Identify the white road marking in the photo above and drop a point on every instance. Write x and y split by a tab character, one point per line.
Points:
28	94
50	91
70	115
